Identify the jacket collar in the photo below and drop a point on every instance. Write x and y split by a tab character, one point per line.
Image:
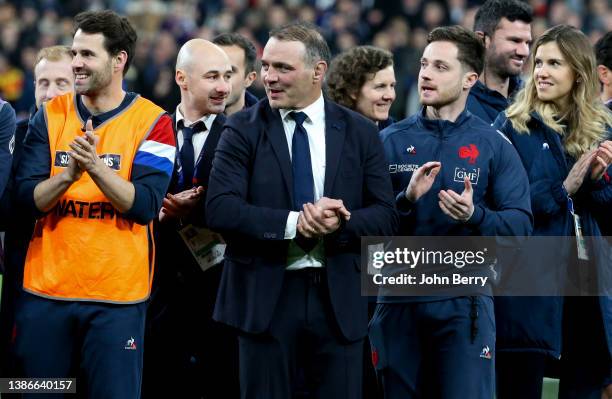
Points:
444	127
335	133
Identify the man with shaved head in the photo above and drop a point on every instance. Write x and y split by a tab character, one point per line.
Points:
189	355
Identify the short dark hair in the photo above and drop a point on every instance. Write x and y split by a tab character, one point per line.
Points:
119	35
471	50
351	69
603	50
306	33
236	39
492	11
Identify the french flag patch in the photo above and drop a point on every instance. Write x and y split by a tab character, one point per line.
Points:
158	151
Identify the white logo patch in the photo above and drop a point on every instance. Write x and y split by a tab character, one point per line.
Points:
401	168
130	344
471	173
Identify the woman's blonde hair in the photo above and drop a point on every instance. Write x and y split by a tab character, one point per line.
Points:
586	119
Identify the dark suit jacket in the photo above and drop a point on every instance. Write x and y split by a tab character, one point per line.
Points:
203	168
249	199
176	268
181	306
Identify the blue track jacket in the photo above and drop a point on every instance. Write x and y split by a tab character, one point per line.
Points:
466	147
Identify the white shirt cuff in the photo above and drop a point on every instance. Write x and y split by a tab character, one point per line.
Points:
291	226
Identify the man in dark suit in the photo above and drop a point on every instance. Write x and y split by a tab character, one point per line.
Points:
296	181
188	354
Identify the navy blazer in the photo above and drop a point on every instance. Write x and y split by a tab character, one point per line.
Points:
250	197
173	258
203	167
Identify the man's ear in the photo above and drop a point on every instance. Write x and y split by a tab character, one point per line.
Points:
119	61
180	79
319	72
249	79
604	74
486	40
469	80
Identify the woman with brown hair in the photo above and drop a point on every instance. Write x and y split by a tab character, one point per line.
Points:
363	80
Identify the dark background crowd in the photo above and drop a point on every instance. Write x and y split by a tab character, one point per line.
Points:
400	26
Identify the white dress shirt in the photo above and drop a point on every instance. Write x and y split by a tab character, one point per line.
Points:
315	129
198	139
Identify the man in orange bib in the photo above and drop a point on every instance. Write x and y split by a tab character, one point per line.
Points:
94	171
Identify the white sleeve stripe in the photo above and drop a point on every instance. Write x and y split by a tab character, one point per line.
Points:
159	149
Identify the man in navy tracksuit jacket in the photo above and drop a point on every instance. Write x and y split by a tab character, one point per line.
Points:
486	103
504	27
443	347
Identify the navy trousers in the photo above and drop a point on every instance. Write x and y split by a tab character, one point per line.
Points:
101	344
441	349
303	355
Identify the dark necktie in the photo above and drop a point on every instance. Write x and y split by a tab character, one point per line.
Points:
187	156
303	182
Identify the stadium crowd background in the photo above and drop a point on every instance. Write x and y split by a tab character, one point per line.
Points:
400	26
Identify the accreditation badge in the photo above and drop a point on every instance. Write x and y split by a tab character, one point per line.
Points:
206	246
580	242
583	254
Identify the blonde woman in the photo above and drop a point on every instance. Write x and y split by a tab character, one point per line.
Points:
560	131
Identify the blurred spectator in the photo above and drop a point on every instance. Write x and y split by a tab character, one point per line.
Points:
11	80
399	26
156	77
146	14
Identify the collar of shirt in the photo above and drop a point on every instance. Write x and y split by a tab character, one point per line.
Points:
315	112
207	119
99	119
